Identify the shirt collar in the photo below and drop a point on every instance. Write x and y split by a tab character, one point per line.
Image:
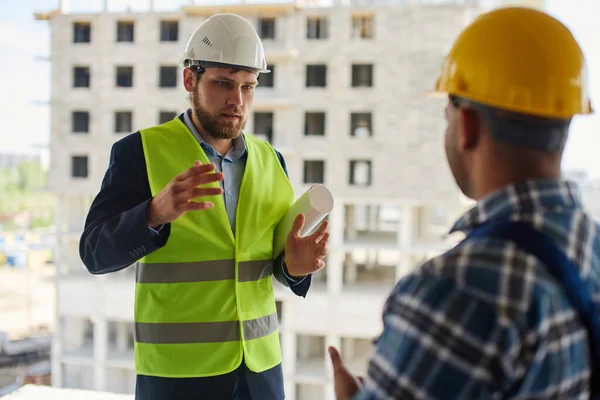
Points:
529	197
239	144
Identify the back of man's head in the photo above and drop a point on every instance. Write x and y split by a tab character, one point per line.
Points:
548	135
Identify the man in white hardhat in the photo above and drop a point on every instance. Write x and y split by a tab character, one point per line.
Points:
195	203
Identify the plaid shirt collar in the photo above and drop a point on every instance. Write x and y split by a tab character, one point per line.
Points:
529	197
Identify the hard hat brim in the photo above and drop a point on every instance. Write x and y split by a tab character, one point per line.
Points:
211	64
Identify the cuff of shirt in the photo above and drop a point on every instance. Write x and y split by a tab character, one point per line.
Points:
157	230
293	281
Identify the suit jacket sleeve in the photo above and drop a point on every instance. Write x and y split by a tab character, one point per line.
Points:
299	287
116	234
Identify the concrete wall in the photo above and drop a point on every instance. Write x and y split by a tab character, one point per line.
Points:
406	150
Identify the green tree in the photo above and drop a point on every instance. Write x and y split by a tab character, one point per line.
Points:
31	176
23	188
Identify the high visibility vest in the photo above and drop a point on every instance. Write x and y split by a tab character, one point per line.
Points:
206	298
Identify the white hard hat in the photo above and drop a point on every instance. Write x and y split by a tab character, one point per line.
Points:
225	40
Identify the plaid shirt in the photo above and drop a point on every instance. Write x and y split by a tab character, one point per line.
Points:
486	320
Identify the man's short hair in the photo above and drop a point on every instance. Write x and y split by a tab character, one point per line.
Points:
517	129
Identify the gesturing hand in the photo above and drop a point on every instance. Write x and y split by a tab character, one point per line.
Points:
345	384
175	198
303	255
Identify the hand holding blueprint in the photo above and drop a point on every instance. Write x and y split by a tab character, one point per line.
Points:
316	203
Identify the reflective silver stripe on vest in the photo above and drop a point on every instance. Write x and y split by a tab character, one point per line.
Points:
202	271
199	271
260	327
204	332
193	332
254	270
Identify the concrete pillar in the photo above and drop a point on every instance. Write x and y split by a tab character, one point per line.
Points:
351	222
63	6
122	337
289	31
425	220
100	353
350	269
288	354
335	258
336	224
331	340
405	264
406	238
301	348
406	227
334	267
56	356
62	223
348	353
58	232
372	259
374	217
288	348
57	344
289	388
74	332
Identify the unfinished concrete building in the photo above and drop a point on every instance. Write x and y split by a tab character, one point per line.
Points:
346	105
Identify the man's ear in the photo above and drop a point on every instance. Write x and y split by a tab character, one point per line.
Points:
470	134
189	79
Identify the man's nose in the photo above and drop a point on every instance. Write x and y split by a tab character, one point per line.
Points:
235	97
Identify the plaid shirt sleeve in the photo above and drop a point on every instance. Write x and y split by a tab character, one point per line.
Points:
438	342
485	320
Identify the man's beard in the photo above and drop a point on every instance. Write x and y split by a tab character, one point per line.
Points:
211	125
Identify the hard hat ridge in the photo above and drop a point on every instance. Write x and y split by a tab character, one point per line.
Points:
225	40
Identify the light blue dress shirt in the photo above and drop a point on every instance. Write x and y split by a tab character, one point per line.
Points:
233	165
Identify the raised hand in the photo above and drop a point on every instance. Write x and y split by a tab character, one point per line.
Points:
346	385
176	198
303	255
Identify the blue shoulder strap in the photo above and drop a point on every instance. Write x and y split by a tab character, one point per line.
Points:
565	272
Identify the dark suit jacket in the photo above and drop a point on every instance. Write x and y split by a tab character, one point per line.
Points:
116	235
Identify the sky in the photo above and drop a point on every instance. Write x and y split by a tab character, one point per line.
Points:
25	74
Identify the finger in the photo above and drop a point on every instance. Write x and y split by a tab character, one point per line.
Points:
321	252
195	206
209	177
197	180
323	239
202	192
198	167
319	232
297	226
336	360
193	193
195	170
319	264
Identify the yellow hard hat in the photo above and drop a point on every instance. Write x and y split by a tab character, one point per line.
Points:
518	59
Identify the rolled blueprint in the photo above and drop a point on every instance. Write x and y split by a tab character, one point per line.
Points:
316	203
